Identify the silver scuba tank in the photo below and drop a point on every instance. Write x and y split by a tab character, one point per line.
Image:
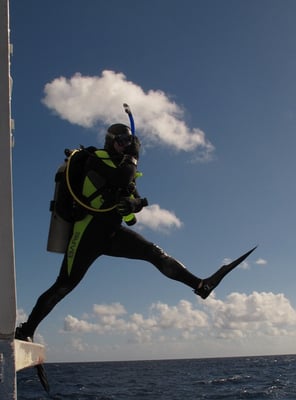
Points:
59	229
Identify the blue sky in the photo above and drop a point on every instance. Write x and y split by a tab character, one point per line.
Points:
212	88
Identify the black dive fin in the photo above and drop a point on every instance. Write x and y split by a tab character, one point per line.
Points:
42	377
209	284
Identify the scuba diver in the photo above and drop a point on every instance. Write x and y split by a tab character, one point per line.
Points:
102	196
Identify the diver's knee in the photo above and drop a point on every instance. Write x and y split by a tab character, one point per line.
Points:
166	264
158	251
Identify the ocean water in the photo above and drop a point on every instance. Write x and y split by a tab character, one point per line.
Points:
270	377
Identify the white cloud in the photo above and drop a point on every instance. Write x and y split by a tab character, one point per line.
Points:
256	314
183	316
158	219
139	328
239	317
76	325
261	261
21	316
89	100
107	309
79	345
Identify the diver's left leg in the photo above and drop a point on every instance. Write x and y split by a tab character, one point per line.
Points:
130	244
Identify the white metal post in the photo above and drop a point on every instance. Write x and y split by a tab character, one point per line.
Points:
7	269
14	354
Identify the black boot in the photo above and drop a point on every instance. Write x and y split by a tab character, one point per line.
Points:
21	333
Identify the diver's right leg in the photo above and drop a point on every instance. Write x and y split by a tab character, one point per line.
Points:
80	255
45	303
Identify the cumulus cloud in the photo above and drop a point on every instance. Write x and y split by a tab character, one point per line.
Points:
79	345
107	309
261	261
183	316
138	327
158	219
240	316
259	314
91	100
21	316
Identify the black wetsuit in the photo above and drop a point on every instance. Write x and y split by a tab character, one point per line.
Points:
104	234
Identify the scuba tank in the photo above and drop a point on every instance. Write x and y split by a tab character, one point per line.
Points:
59	229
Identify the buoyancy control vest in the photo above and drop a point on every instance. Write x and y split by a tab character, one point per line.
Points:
76	194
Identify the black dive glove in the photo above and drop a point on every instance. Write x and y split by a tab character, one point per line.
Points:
129	205
134	148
